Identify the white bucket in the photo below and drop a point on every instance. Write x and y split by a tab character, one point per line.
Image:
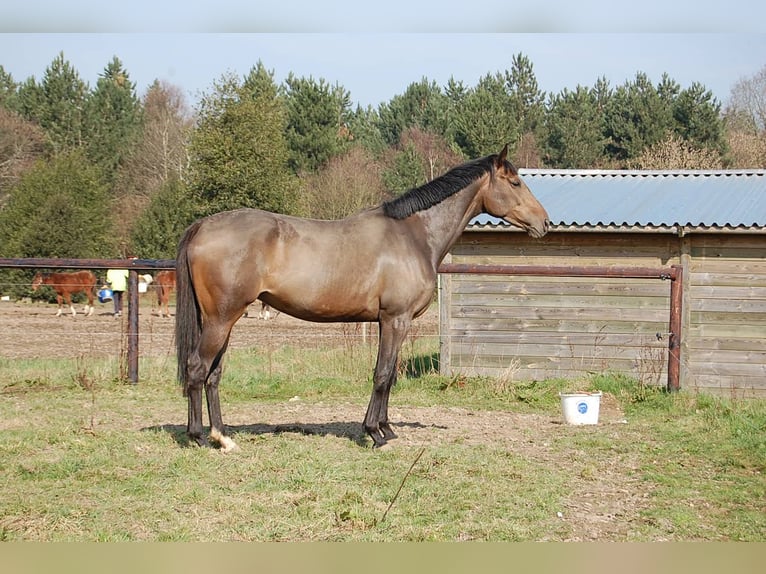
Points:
142	287
581	408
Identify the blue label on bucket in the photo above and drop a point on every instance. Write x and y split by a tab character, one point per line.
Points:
582	408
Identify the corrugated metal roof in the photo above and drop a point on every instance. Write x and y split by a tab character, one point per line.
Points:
630	200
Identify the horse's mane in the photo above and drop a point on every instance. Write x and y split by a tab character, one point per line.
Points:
439	189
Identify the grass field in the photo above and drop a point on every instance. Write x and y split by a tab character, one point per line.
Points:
85	457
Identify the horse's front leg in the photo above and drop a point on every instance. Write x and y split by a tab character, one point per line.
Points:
392	334
68	299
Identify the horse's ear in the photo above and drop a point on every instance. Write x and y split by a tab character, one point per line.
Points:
500	161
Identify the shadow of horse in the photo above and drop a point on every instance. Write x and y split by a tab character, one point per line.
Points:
353	431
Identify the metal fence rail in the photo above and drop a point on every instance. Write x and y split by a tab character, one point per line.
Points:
132	265
673	273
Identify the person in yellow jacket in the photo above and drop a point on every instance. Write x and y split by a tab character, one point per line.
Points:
118	283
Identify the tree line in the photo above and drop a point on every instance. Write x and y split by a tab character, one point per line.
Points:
101	172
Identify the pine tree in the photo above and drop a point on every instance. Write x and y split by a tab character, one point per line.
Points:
9	98
637	116
112	120
406	171
483	122
697	116
238	152
526	99
59	208
57	104
156	232
573	134
317	122
423	105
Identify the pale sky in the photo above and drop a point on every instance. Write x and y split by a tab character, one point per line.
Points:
375	52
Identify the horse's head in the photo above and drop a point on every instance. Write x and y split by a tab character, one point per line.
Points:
37	281
507	196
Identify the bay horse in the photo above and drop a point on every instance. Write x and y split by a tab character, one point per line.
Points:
164	283
66	284
378	265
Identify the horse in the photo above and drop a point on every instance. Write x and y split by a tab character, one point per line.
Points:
66	284
377	265
164	283
264	313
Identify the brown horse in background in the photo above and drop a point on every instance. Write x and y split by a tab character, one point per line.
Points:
164	283
67	284
377	265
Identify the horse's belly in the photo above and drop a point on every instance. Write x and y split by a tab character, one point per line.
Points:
325	309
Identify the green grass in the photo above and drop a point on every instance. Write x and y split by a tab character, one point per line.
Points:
86	457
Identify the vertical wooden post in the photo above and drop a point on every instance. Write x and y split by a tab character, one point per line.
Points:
133	326
674	340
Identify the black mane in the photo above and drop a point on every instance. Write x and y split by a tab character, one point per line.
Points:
439	189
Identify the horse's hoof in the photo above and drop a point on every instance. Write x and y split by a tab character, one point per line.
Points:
378	441
229	447
388	434
198	440
227	444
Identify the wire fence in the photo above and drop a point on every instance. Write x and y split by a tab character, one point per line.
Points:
30	328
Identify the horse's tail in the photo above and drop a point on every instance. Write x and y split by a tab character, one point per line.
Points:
188	319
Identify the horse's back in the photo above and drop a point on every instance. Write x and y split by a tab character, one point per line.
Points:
69	280
268	242
320	270
166	278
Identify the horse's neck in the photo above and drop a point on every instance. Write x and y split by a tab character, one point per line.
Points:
445	222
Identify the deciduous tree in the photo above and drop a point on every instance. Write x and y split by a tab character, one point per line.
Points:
745	117
347	184
675	153
21	144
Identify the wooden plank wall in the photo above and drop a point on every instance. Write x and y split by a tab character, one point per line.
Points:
726	341
551	327
541	327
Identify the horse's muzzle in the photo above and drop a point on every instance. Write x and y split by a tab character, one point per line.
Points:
538	231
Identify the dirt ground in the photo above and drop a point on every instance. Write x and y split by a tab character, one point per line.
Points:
607	495
32	330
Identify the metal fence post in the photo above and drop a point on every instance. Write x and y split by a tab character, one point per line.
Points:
133	326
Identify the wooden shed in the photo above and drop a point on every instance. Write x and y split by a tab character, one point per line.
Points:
712	223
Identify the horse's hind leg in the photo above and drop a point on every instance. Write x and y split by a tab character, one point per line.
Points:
217	428
194	395
68	299
204	369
